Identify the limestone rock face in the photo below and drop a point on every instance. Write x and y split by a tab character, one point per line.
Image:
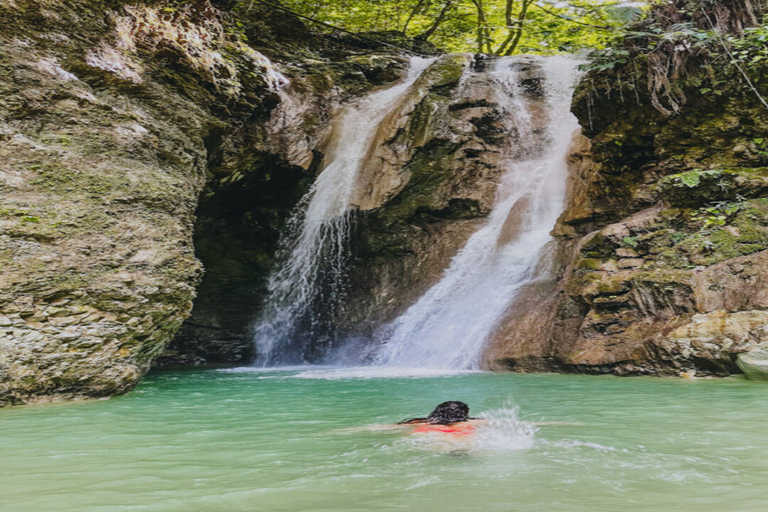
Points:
100	176
116	126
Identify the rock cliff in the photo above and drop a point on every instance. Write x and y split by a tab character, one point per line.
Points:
118	122
151	152
664	240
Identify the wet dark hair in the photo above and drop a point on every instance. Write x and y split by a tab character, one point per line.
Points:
444	414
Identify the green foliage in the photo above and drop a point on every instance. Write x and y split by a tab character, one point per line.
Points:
608	59
692	179
761	144
496	26
717	214
630	241
683	45
678	237
751	50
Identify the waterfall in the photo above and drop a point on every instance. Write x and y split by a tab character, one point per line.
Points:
307	283
450	324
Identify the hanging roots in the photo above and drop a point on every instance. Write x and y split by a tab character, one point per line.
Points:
669	41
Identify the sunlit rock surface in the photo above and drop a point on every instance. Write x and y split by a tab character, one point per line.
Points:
754	363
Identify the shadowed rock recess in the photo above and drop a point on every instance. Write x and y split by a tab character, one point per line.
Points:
151	152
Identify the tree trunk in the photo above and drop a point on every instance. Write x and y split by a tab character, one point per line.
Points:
431	30
520	25
510	28
483	32
414	12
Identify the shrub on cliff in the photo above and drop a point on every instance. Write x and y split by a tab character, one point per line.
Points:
699	45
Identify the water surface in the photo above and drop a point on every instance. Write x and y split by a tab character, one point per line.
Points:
214	440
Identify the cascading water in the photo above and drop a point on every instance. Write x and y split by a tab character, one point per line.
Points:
307	284
448	326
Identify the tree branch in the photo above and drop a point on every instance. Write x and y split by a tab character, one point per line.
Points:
414	12
566	18
431	30
520	22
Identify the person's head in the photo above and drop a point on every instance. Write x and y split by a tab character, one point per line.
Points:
449	412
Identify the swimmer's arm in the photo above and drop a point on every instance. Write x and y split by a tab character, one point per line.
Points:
474	422
371	428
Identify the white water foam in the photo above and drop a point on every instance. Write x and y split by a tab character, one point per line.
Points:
313	244
270	369
322	372
369	372
448	327
501	430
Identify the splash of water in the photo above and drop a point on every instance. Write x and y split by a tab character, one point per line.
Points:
449	325
307	284
501	430
368	372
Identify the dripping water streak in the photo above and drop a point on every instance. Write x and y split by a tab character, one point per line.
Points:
311	255
449	326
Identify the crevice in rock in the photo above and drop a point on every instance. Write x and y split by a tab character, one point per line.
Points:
236	234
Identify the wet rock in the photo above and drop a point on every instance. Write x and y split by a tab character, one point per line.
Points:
754	364
430	185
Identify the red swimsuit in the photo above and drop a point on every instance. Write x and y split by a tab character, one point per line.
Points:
457	429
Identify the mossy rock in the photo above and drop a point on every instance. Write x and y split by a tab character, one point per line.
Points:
598	247
698	187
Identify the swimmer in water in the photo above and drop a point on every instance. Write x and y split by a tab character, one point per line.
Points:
448	417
